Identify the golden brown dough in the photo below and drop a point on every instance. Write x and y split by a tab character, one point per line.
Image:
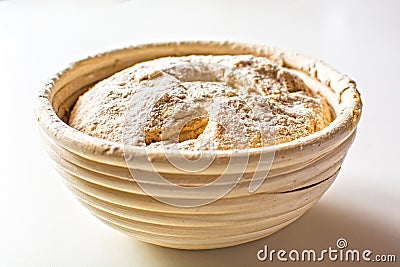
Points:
201	102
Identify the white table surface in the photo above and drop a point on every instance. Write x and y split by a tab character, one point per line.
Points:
43	225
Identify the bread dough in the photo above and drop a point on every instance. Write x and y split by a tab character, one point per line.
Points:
201	102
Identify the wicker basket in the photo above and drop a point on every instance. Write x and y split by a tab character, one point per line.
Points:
96	171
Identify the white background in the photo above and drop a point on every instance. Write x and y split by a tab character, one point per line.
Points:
41	223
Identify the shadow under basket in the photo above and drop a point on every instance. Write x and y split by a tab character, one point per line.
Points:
96	172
